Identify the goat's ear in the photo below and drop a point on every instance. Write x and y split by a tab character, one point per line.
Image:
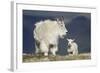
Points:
57	19
73	39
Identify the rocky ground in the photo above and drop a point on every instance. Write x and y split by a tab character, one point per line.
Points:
41	58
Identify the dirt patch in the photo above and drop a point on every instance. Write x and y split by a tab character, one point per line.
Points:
41	58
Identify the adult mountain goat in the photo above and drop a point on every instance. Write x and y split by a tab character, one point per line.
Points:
47	34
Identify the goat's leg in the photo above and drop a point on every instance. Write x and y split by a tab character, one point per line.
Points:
54	50
44	48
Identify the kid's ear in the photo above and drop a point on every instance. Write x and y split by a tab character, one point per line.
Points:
73	39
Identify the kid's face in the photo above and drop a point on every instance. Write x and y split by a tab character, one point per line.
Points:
70	41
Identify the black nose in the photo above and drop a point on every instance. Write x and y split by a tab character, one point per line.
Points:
69	46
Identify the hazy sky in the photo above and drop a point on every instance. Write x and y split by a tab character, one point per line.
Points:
77	24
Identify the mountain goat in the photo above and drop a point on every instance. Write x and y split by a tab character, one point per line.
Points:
46	35
72	47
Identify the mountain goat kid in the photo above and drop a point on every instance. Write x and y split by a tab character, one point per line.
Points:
47	34
72	47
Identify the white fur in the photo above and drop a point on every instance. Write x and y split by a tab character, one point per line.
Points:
73	47
48	32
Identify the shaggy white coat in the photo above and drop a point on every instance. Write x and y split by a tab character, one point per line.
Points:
48	32
73	49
